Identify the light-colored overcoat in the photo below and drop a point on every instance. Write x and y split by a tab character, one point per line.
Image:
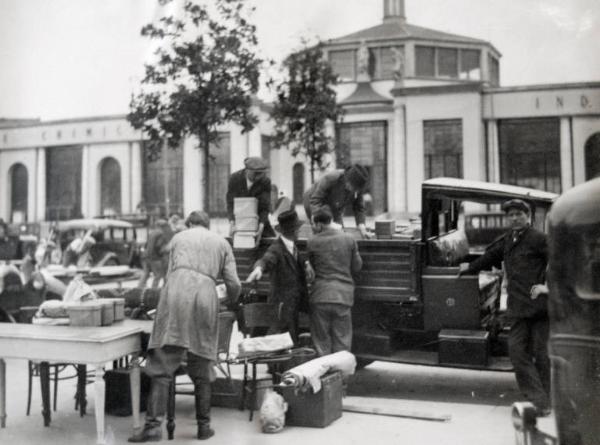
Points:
187	313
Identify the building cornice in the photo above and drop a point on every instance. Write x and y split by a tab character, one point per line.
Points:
475	87
541	87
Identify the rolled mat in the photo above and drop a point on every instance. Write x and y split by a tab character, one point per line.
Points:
309	374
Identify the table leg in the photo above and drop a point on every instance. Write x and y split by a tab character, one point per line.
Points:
134	384
45	385
81	386
2	394
99	387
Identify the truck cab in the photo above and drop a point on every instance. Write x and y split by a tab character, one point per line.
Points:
410	305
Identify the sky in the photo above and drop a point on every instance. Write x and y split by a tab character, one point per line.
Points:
79	58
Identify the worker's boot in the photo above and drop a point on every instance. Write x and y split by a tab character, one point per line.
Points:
155	412
202	393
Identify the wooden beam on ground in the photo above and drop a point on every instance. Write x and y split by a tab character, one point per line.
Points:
394	412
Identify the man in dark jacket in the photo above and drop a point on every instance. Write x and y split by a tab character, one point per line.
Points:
524	251
334	257
287	272
336	190
251	181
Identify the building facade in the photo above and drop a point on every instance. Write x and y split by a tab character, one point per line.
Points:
419	103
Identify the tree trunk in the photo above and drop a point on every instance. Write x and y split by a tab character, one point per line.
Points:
166	176
206	167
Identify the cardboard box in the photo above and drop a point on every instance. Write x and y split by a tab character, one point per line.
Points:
463	347
385	229
108	311
244	240
246	224
245	207
315	410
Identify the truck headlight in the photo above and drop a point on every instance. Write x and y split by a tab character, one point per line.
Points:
38	282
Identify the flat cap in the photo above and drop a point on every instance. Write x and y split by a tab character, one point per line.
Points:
517	204
255	163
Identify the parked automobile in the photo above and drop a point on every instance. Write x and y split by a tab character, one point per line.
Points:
116	241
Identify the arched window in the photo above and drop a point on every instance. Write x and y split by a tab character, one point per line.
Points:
298	182
110	187
592	157
18	193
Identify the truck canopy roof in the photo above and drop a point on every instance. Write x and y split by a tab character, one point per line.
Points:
484	191
93	223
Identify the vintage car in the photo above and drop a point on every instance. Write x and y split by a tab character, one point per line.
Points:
116	241
410	305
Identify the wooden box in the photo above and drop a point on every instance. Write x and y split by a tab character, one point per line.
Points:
315	410
385	229
463	347
85	314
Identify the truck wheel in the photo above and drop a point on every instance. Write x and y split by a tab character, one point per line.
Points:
363	362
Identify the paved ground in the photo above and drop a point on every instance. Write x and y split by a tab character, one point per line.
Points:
478	403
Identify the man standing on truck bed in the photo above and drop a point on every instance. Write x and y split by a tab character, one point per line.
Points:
334	257
251	181
335	190
524	251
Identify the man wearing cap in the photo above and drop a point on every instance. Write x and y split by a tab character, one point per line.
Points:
334	257
251	181
186	323
288	272
337	189
524	251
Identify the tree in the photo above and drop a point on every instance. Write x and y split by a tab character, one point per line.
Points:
305	102
205	74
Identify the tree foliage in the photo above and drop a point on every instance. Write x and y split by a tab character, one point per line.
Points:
305	102
204	74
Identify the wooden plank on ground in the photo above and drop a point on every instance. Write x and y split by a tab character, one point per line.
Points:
361	408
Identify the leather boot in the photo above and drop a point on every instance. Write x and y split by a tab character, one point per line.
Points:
155	411
202	392
148	434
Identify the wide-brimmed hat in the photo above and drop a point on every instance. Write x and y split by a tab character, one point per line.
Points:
357	175
288	222
256	164
517	204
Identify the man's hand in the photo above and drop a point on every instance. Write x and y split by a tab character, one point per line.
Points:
537	290
363	231
309	272
463	269
255	275
231	227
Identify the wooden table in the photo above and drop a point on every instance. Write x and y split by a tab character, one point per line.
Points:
79	345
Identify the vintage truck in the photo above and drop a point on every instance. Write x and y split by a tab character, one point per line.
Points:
410	305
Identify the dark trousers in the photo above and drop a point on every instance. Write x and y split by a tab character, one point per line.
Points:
528	351
161	367
331	327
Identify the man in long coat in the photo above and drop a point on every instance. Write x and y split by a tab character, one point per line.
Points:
251	181
334	257
286	268
186	321
524	251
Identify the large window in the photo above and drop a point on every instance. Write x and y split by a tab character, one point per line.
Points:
494	67
110	187
382	62
425	56
470	68
343	63
442	146
530	153
447	62
18	193
163	178
365	143
63	182
592	157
